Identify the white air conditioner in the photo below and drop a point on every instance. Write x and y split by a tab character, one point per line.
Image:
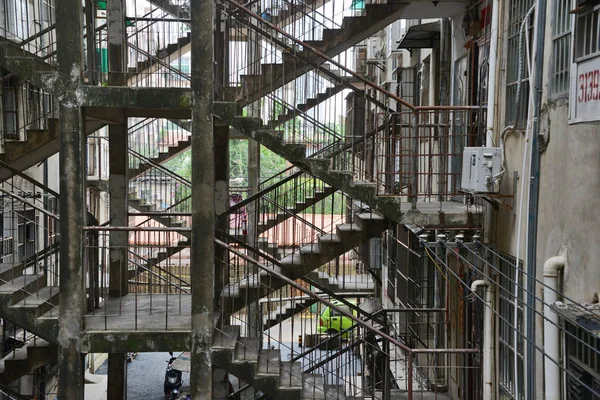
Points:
480	170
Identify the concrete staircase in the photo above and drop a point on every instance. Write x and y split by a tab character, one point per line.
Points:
426	214
263	368
353	30
289	114
162	157
40	145
23	360
309	257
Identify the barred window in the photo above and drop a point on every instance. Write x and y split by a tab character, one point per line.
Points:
517	11
588	34
506	345
583	363
561	45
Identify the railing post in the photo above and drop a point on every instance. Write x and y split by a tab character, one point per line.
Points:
409	376
415	160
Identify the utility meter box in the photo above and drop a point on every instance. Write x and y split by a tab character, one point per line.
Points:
480	170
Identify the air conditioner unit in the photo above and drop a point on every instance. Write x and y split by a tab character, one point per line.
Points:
481	167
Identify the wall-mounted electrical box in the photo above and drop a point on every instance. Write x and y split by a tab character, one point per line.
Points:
481	167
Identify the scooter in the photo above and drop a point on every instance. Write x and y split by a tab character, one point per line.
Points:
173	380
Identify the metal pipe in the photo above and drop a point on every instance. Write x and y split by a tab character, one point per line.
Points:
534	192
491	94
488	349
552	268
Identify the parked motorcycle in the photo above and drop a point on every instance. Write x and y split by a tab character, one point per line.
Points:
173	380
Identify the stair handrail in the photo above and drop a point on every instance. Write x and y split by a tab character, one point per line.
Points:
329	304
27	178
161	269
324	56
304	114
162	168
262	192
276	262
367	82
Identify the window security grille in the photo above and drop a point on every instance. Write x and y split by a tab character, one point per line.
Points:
517	11
583	363
506	345
561	46
588	34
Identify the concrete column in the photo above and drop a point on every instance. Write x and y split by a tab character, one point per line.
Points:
117	136
253	312
118	184
72	295
115	13
203	199
221	138
117	376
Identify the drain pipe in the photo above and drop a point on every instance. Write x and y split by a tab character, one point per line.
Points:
552	268
491	94
488	335
534	194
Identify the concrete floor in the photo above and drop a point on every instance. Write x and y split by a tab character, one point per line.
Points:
142	312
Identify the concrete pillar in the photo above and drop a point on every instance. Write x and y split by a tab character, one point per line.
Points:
115	13
203	199
118	184
117	376
253	312
72	295
221	138
117	136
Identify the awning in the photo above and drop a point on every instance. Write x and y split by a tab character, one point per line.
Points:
422	36
583	315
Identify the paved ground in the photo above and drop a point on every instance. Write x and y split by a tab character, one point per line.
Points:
145	376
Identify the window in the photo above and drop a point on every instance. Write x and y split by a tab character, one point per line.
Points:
561	46
506	345
588	34
9	127
517	10
583	363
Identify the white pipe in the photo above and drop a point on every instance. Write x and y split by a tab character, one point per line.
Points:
491	94
552	266
488	335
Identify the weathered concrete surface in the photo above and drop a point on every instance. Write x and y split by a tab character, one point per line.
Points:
203	199
427	214
72	297
165	99
27	66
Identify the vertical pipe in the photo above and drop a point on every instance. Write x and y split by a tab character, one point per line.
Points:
552	373
491	94
409	377
534	192
415	160
203	201
71	368
488	348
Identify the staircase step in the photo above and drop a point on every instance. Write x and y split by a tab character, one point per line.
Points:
290	375
335	392
9	271
40	302
22	286
227	337
246	349
268	362
313	387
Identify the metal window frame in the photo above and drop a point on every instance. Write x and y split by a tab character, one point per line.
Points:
561	35
581	34
506	347
517	10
